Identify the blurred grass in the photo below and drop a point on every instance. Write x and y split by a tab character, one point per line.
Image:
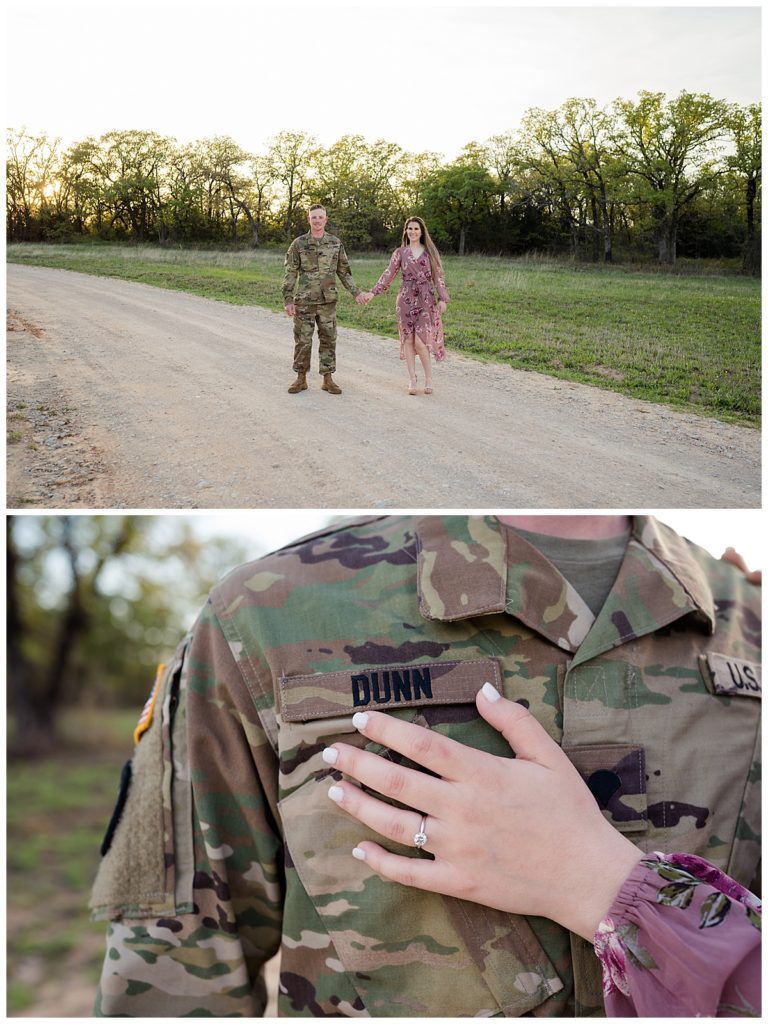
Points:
688	337
57	812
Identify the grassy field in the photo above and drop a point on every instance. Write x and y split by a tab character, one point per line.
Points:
58	809
691	340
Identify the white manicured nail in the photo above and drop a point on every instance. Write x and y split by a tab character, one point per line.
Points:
360	720
330	755
491	693
358	854
336	793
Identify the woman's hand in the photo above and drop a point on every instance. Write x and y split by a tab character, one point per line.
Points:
520	834
442	306
734	558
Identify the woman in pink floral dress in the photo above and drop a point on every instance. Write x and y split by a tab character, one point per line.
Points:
418	310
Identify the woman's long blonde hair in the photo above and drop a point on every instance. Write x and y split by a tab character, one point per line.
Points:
434	256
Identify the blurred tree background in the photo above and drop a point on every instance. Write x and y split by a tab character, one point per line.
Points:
93	604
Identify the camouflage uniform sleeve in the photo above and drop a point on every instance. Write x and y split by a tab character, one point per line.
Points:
193	884
292	266
344	271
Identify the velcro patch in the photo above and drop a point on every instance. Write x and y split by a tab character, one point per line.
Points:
325	694
732	677
145	718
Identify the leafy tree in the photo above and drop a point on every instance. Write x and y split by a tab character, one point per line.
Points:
746	163
669	148
290	157
553	181
30	181
80	178
354	180
640	176
130	165
456	198
584	130
260	195
224	165
186	191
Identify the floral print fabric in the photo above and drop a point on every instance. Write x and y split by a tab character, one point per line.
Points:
682	939
416	307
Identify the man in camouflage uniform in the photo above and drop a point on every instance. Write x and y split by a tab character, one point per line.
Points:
229	851
315	259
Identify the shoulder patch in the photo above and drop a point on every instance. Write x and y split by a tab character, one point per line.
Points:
145	718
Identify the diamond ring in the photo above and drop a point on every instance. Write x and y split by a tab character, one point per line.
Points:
421	836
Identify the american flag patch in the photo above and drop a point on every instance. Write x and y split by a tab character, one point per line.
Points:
145	718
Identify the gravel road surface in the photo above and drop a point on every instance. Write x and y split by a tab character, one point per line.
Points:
122	395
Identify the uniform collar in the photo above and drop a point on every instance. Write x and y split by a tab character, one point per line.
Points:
470	566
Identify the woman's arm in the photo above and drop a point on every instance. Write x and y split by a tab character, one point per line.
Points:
442	291
680	939
388	276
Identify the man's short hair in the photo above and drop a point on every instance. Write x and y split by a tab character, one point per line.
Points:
317	206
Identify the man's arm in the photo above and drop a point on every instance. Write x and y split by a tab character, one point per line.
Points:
344	271
292	265
193	919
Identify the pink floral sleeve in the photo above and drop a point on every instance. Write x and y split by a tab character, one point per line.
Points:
682	939
442	291
388	276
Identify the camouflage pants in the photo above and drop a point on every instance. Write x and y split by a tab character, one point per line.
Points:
324	315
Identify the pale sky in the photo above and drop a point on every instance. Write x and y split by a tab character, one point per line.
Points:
426	76
714	530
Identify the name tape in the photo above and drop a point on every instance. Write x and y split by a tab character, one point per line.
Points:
325	694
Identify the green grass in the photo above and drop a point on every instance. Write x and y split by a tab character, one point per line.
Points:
691	340
58	809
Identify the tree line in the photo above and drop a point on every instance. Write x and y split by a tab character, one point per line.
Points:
649	178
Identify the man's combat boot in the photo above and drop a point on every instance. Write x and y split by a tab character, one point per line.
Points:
300	384
330	385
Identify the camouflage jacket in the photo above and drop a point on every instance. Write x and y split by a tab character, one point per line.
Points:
315	262
229	850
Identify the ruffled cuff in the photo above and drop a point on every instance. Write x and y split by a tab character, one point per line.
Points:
681	939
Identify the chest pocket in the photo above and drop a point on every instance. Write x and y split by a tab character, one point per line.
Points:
327	260
408	953
309	260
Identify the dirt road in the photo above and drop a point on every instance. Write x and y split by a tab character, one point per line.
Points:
122	395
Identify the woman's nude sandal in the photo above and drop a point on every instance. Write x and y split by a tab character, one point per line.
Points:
412	386
428	386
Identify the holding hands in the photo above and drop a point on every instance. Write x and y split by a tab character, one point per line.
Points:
523	834
363	298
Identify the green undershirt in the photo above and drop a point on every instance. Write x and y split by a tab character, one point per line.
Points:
590	566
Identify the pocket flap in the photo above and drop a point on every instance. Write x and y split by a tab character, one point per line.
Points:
325	694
